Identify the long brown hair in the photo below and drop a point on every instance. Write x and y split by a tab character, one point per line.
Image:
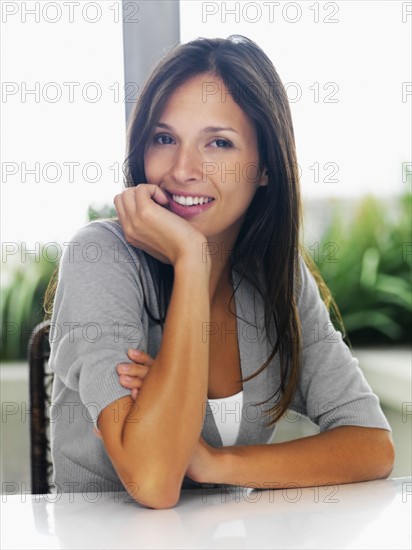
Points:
266	252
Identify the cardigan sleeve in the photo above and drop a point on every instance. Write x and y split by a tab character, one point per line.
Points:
97	316
332	389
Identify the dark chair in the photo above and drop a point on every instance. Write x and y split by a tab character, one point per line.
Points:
40	384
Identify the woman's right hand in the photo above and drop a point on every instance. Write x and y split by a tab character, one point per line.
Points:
149	225
132	375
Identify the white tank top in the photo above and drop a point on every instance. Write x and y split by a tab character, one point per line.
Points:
227	412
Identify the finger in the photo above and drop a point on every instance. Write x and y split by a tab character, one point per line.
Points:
134	393
118	203
139	356
130	382
152	191
128	197
159	195
132	369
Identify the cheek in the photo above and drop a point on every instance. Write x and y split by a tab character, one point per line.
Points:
151	167
157	163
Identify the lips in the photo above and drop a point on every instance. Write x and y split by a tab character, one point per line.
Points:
188	211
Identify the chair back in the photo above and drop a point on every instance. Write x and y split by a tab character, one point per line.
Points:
40	384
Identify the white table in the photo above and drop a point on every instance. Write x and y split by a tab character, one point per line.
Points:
374	514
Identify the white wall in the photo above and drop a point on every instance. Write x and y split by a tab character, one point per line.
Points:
74	64
346	67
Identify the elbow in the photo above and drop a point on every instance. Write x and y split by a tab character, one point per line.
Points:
385	455
159	498
152	493
388	456
376	457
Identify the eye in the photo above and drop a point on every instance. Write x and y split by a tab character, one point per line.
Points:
225	142
159	136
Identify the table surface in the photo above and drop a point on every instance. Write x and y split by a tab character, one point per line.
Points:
373	514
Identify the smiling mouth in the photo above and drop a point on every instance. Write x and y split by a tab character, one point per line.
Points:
189	200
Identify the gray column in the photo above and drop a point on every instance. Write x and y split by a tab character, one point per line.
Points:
150	29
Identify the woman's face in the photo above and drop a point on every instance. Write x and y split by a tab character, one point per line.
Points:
192	152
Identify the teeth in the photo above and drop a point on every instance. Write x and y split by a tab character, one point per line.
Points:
190	201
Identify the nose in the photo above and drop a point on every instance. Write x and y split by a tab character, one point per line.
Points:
187	165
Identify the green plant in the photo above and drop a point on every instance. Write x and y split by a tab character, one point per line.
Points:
106	211
369	271
22	304
21	300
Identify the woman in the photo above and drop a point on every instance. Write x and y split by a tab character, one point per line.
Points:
203	275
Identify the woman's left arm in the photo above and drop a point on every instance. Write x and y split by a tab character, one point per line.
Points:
345	454
355	443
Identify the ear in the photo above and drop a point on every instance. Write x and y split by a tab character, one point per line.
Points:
263	182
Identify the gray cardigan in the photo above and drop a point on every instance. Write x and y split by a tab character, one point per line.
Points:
98	314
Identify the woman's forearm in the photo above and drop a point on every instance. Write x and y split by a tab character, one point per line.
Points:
165	422
343	455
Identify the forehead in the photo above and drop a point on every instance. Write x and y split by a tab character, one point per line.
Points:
205	87
203	96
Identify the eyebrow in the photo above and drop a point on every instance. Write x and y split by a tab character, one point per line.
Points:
207	130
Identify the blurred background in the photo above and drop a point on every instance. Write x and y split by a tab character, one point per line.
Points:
71	75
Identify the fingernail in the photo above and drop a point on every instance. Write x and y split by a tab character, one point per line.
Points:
134	351
125	368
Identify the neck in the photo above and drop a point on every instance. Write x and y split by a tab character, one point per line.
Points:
220	276
219	282
219	249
